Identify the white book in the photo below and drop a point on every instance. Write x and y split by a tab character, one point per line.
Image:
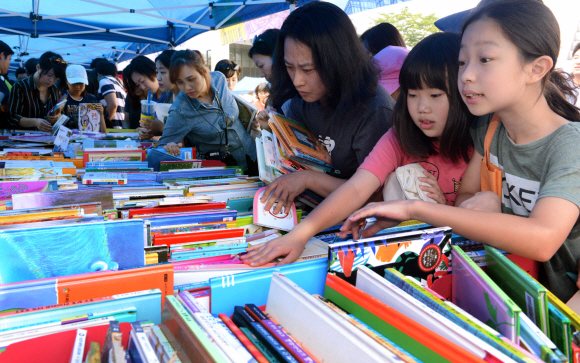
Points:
185	200
79	347
285	220
334	339
143	346
266	173
386	292
233	348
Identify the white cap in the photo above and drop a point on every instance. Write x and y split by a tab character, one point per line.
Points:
76	74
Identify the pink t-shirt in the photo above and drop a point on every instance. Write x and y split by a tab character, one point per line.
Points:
387	156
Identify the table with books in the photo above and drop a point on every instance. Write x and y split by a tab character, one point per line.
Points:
114	251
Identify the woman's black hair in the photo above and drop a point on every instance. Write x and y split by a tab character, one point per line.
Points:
144	66
265	43
533	29
340	60
30	65
228	68
576	48
165	57
381	36
432	63
130	86
93	87
53	61
106	68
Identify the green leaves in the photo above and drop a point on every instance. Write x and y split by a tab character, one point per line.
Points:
413	27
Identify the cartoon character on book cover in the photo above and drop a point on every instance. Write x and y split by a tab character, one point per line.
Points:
89	117
425	258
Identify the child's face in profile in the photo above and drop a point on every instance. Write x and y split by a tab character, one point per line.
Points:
491	74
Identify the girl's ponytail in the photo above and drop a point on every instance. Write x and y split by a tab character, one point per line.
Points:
560	93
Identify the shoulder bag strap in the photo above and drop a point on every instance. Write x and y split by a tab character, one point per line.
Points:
489	136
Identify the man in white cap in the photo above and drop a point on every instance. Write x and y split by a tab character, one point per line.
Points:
77	80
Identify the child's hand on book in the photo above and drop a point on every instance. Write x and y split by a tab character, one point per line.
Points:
284	190
387	214
289	245
433	190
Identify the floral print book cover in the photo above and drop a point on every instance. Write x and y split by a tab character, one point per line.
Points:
421	254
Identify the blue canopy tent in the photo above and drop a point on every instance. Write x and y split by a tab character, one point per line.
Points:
81	30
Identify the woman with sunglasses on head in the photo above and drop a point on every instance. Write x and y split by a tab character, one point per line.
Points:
32	98
334	93
231	70
201	112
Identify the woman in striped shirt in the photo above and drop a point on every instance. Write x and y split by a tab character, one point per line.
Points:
32	98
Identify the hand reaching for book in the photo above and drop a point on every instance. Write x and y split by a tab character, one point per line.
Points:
289	245
284	190
387	214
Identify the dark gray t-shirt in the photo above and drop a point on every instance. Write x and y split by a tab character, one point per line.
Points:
348	140
549	167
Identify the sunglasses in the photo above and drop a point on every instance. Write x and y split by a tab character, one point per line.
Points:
59	61
225	67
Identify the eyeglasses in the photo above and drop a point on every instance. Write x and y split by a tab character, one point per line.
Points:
57	60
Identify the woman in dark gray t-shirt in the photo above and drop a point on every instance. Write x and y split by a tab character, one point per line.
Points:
322	69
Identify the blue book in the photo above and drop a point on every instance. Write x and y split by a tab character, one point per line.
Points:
193	218
60	250
147	303
195	173
253	287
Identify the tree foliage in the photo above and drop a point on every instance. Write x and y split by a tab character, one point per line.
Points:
413	27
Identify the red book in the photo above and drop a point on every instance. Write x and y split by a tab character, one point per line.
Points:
176	238
134	213
243	339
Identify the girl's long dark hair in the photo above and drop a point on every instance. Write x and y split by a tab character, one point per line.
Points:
340	59
433	64
534	30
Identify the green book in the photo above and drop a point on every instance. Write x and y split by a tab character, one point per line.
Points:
560	330
527	293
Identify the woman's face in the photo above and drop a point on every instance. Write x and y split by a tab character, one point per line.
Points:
46	79
163	77
145	83
302	71
263	97
576	65
232	81
191	82
264	65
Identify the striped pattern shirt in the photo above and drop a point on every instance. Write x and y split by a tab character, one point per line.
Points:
25	101
108	85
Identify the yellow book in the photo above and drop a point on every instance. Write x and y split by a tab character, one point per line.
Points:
40	216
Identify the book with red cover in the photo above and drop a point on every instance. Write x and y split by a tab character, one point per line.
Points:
56	348
176	238
135	213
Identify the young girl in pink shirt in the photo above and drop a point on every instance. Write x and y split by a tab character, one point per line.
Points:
430	126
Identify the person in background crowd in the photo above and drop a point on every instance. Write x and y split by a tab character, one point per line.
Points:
262	93
576	70
389	62
133	100
93	87
202	111
5	86
381	36
169	89
431	126
261	53
77	80
347	110
231	70
32	98
96	61
21	74
30	66
111	94
144	76
162	65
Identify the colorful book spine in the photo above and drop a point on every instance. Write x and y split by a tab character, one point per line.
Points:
259	345
284	339
166	347
243	318
230	345
245	341
145	349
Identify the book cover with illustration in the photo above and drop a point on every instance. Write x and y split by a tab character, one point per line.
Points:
285	220
422	254
89	117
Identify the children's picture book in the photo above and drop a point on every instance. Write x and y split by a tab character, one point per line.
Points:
476	293
89	117
285	220
422	254
58	107
7	189
114	155
61	121
63	136
105	178
247	111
